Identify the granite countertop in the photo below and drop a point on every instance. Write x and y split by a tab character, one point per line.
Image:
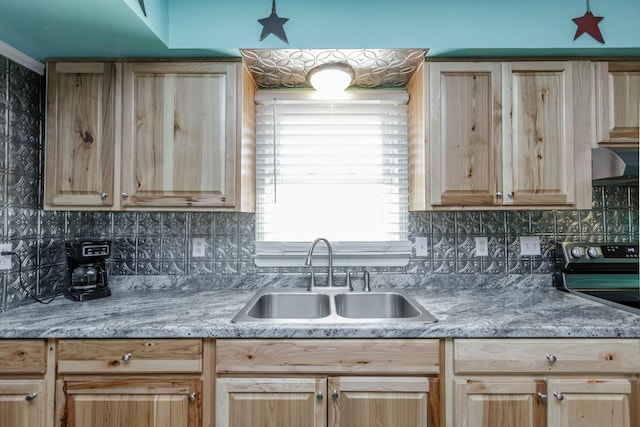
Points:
465	306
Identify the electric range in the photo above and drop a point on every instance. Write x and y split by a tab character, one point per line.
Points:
604	272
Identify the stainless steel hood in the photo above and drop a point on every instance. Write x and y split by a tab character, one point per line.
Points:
614	166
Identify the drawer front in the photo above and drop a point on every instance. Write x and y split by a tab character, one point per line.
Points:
328	356
546	355
130	356
23	356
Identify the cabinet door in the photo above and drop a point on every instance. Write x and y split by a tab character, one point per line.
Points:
22	403
538	149
271	402
383	401
618	101
465	133
126	403
589	403
499	403
179	144
81	135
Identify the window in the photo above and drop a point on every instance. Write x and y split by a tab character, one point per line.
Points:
332	168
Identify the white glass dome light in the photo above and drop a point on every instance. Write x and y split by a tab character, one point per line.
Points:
332	77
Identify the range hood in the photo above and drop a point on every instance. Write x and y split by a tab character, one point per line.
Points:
614	166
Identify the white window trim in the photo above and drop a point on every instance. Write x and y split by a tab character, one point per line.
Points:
345	254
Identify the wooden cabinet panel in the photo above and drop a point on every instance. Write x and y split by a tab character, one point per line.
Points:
538	140
23	403
129	403
618	101
271	402
382	401
589	403
83	117
180	130
22	357
122	355
499	403
465	133
329	356
546	355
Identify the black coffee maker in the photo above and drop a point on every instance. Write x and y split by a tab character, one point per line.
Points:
87	270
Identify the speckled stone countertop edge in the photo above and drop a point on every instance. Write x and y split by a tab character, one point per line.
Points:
465	306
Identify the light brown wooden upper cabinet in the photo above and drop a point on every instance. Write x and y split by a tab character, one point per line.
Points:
82	134
501	135
149	135
618	102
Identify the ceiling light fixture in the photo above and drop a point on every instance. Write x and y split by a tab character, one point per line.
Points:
331	77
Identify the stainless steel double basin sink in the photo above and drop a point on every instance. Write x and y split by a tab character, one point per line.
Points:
329	306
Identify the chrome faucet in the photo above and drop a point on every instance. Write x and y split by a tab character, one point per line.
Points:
312	284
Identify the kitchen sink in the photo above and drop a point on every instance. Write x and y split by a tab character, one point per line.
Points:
329	306
286	305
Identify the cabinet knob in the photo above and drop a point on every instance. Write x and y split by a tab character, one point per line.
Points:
558	395
335	394
551	358
542	397
511	194
192	397
126	357
498	194
320	395
104	195
125	195
30	397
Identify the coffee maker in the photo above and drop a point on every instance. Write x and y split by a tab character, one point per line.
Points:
87	270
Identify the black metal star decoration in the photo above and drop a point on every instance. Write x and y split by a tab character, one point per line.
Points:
144	10
273	24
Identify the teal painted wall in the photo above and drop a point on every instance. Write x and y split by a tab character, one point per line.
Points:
434	24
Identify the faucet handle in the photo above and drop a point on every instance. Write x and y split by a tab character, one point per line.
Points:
348	285
367	280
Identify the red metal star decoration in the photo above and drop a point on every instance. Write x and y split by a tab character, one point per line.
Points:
588	24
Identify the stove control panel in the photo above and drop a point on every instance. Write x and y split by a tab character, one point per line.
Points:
590	253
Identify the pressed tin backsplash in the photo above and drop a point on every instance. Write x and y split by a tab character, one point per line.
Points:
159	243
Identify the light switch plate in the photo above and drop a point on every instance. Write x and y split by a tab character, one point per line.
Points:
198	247
482	246
5	260
422	246
530	245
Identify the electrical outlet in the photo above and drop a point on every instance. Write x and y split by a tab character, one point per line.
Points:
198	247
422	246
482	246
530	245
5	260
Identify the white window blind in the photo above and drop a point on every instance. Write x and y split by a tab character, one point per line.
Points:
332	168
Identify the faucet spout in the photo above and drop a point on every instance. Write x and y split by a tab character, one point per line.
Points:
310	255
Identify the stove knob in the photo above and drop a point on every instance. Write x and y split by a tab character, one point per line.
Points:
594	252
577	252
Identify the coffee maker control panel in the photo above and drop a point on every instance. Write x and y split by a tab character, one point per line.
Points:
90	250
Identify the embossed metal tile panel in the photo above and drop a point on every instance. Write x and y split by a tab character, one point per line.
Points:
375	68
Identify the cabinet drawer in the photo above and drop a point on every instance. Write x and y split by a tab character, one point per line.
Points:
546	355
130	356
328	356
22	357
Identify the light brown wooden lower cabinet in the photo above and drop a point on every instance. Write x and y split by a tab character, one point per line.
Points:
328	383
327	401
546	383
124	403
23	403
